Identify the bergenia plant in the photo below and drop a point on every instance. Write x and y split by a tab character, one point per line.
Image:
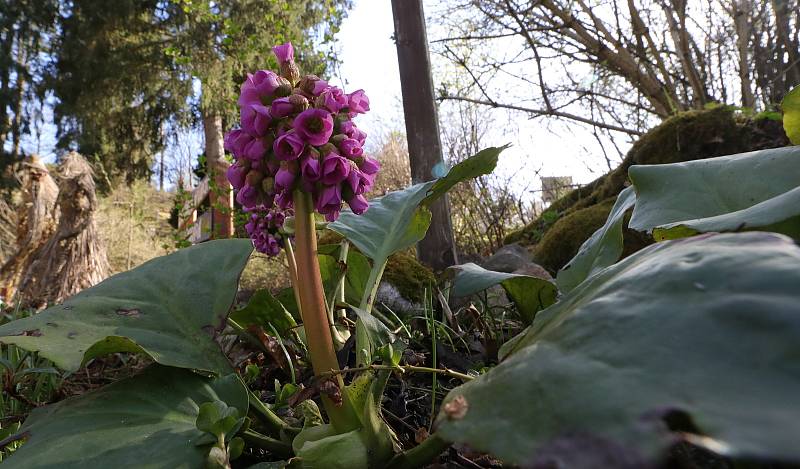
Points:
298	152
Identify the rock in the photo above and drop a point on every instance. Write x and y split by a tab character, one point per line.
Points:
533	269
508	259
390	297
556	235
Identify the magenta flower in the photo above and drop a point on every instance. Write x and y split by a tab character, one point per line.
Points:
315	126
335	169
319	87
288	146
369	165
350	148
235	142
236	175
281	107
349	128
255	119
248	196
332	99
284	52
258	88
358	204
284	179
310	169
255	149
284	199
329	202
358	102
358	182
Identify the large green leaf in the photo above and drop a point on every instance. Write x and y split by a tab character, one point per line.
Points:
705	327
791	115
749	191
168	308
530	294
264	309
147	421
602	249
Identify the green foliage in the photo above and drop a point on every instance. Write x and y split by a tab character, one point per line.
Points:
117	90
530	294
758	190
400	219
147	421
264	310
699	330
168	308
791	114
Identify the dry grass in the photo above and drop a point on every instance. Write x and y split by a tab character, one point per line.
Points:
134	225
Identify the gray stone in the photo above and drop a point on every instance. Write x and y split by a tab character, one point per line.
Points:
508	259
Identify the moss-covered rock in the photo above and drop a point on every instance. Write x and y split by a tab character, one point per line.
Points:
561	242
408	275
691	135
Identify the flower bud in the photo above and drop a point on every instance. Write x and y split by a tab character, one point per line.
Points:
254	178
338	138
327	149
268	185
299	102
284	90
290	71
307	83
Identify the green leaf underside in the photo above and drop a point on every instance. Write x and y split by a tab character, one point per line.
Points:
146	421
602	249
748	191
530	294
392	223
168	308
707	326
791	115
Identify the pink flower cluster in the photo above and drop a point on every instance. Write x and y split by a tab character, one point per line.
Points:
297	133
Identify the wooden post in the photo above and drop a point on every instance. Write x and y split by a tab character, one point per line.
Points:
422	126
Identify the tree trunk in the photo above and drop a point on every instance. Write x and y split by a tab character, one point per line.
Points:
437	249
221	194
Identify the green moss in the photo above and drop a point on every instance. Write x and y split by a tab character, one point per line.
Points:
411	278
561	242
685	136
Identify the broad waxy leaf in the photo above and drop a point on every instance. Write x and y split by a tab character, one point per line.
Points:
530	294
791	115
748	191
147	421
707	327
602	249
168	308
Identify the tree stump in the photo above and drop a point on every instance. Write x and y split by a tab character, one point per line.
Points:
35	222
74	258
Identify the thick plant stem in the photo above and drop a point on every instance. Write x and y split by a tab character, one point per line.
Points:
420	455
313	307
